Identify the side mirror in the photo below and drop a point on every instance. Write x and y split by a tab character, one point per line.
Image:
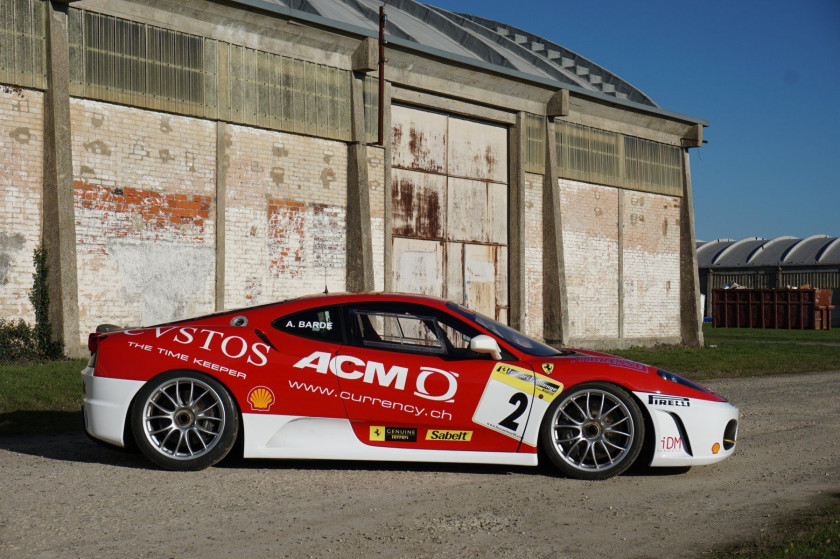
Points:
486	344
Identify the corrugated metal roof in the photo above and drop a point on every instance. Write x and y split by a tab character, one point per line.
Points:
469	37
708	251
755	252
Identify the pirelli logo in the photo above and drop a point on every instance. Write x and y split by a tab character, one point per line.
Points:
669	401
455	436
393	434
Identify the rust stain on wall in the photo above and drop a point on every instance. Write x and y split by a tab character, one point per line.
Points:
417	211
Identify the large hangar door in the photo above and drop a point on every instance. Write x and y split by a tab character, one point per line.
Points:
450	209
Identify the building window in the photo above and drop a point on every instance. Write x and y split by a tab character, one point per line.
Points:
23	43
591	155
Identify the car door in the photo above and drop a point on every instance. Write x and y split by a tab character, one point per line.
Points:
408	379
296	338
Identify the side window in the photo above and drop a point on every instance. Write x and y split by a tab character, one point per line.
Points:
398	331
316	324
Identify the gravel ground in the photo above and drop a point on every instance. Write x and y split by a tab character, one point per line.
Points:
64	496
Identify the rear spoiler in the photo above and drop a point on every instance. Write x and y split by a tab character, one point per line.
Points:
101	331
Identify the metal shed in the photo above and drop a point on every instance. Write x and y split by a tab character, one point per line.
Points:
758	263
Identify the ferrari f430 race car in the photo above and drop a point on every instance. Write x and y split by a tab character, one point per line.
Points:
389	377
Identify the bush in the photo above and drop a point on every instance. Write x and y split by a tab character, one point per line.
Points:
17	341
22	342
40	298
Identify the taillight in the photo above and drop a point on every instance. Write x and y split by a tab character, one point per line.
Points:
93	341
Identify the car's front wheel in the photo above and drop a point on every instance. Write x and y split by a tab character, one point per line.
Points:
184	420
594	431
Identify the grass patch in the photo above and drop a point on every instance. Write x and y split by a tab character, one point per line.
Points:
811	535
41	397
744	352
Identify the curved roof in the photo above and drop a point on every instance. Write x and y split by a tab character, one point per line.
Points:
755	252
467	37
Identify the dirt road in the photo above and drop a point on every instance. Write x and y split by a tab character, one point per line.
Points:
63	496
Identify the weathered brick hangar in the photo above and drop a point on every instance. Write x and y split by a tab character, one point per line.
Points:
179	157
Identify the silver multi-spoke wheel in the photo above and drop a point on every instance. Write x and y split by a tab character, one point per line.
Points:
184	418
594	432
184	421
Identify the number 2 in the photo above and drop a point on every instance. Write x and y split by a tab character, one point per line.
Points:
519	400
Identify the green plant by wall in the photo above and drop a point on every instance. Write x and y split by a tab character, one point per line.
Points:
17	341
39	296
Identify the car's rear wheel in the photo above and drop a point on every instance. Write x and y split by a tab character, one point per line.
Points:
594	431
184	420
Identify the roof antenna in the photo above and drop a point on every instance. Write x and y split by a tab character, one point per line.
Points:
326	291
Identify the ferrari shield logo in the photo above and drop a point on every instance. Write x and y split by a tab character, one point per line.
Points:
548	368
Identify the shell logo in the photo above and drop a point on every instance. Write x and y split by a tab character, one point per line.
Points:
716	448
261	398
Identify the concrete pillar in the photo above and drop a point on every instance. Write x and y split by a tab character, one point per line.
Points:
359	236
516	219
555	297
58	220
691	316
223	142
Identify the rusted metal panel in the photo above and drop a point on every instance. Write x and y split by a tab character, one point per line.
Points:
418	201
418	266
455	272
449	184
497	213
477	150
480	278
418	140
466	210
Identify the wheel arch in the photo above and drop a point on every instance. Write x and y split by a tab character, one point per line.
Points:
647	446
128	435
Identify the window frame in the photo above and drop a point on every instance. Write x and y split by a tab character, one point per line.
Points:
338	324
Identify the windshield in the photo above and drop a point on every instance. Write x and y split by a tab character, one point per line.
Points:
515	338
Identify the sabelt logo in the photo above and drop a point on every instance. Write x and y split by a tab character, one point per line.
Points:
455	436
373	372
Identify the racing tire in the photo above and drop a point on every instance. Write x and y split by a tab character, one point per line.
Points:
183	420
595	431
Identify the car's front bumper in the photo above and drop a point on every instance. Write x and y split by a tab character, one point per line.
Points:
106	404
690	431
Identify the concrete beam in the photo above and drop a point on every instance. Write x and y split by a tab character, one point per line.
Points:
59	219
223	142
558	105
691	315
516	220
364	58
359	237
452	106
695	138
555	295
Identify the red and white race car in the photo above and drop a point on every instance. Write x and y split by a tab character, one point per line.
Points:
389	377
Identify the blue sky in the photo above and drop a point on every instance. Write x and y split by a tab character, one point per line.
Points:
764	74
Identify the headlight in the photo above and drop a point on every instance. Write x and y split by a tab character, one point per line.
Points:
680	380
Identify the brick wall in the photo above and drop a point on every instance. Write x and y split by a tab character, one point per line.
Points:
285	215
533	279
651	275
21	177
144	194
590	248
